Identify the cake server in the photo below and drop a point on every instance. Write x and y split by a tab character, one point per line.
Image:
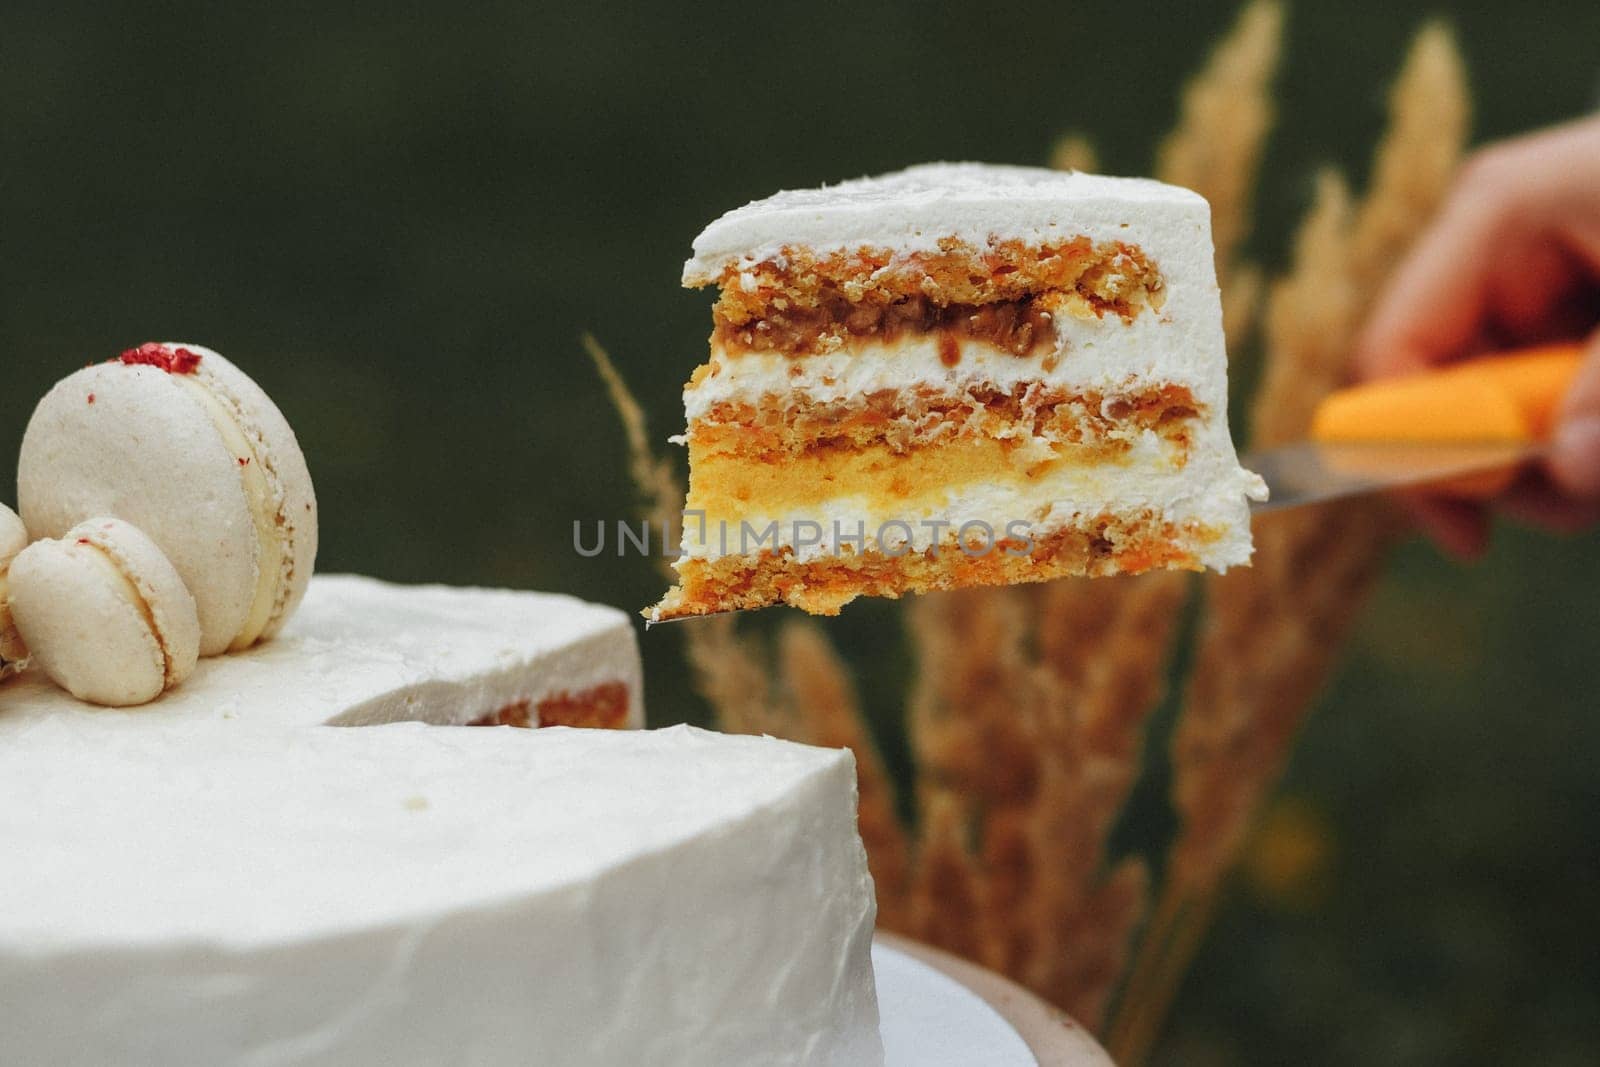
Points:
1470	425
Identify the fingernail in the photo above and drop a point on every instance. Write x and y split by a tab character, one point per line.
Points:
1575	455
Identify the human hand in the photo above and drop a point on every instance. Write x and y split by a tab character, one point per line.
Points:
1513	259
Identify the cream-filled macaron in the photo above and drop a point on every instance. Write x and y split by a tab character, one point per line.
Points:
182	444
104	613
13	539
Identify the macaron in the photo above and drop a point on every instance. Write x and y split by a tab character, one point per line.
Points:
179	442
13	539
105	614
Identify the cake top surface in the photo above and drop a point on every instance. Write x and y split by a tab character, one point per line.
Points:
914	208
362	651
197	832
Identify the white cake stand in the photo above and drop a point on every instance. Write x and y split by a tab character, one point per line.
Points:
941	1011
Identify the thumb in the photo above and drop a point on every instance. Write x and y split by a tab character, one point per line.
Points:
1575	447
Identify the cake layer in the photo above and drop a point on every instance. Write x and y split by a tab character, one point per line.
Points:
981	478
360	651
604	707
1104	425
1005	294
402	894
738	508
1129	542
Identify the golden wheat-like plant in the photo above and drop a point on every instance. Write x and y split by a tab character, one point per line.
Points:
1272	634
1028	710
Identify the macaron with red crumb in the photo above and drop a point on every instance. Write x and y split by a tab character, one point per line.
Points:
104	614
176	440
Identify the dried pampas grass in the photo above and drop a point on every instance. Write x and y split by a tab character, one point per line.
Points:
1272	634
1215	149
1029	707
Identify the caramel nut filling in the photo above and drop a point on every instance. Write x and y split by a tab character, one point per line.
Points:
1006	295
603	706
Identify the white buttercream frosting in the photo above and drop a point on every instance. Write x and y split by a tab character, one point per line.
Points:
1109	359
218	878
404	894
912	209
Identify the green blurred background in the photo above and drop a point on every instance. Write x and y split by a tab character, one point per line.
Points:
399	218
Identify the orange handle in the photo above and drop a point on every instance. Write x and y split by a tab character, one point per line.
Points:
1511	397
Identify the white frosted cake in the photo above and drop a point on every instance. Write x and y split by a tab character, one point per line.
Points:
959	374
218	877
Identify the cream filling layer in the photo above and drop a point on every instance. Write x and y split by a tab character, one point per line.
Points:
271	548
1101	355
1209	491
127	591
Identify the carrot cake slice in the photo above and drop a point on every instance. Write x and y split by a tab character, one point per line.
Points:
955	375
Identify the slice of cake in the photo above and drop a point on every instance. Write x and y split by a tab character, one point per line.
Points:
956	375
361	651
414	895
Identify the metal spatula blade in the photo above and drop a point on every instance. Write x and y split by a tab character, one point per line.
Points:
1311	472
